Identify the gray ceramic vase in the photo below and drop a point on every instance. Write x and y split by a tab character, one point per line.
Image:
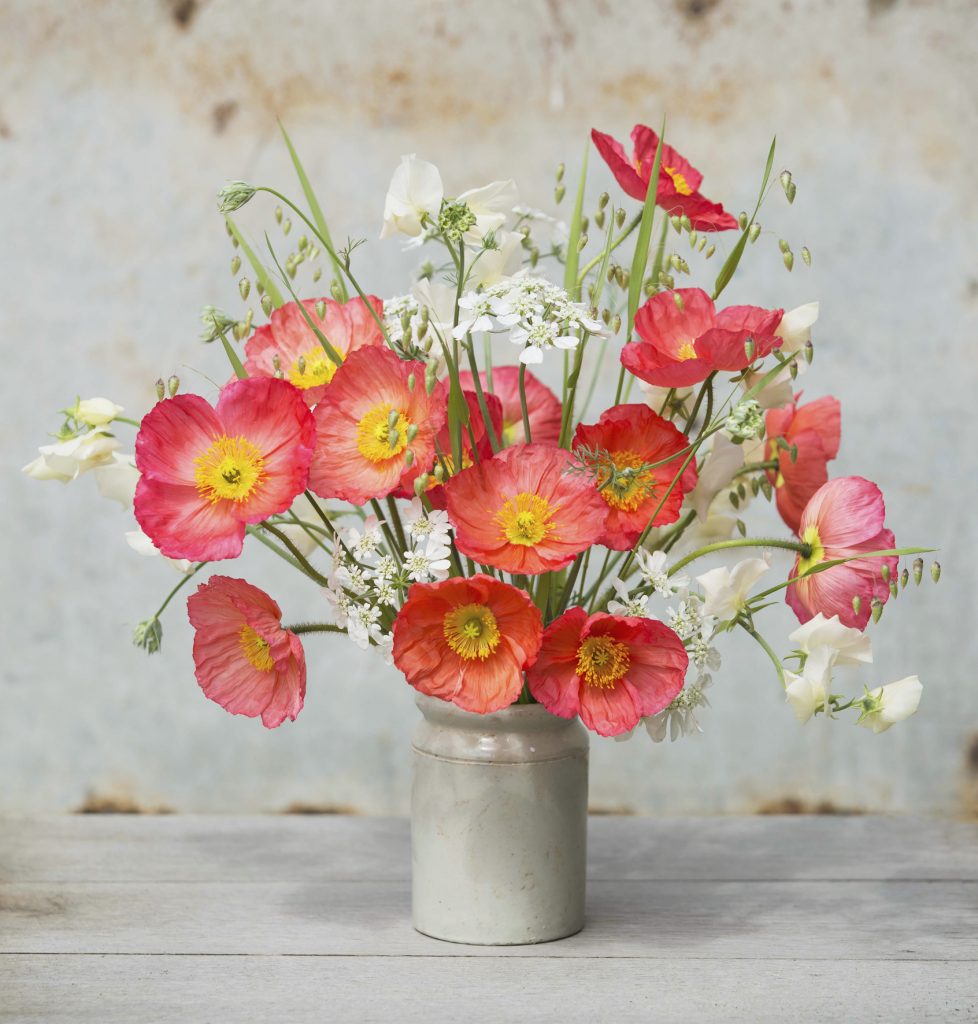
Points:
498	824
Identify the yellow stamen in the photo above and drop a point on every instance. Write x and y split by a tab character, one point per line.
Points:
679	182
448	466
811	537
230	469
526	519
686	351
602	661
255	649
630	491
317	369
471	631
377	439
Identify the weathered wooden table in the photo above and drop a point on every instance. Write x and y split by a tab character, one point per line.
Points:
294	919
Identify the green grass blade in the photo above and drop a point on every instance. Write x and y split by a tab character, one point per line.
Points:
574	235
641	257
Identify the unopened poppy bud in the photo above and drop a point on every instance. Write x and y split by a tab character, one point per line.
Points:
742	220
876	609
918	570
783	245
616	324
809	351
603	200
235	264
266	305
317	273
560	172
321	309
412	432
278	214
173	385
421	484
412	380
749	349
620	216
160	389
582	242
755	230
789	260
806	255
559	193
286	226
300	365
430	376
885	572
935	571
244	287
677	224
710	250
904	578
686	222
857	603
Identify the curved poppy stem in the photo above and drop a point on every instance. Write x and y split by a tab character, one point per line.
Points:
805	550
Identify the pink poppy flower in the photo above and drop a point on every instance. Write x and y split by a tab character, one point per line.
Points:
677	191
543	407
678	347
206	472
347	326
611	670
843	518
814	429
245	661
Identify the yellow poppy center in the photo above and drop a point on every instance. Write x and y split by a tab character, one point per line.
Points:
811	537
382	433
316	368
602	661
255	648
230	469
526	519
625	488
679	182
448	467
471	631
686	351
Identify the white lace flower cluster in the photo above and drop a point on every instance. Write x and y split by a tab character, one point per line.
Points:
652	576
366	586
538	314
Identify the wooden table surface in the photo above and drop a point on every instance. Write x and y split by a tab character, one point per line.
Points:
293	919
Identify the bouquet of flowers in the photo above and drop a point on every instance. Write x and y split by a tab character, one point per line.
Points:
498	540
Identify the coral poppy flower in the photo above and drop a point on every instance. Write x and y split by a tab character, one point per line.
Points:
543	407
483	446
611	670
206	472
679	181
375	411
347	326
683	346
522	511
467	641
633	435
245	661
843	518
814	429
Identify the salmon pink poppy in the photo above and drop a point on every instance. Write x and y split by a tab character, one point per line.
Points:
543	407
844	518
347	326
677	191
814	430
245	661
611	670
633	436
467	640
682	344
375	427
206	472
523	511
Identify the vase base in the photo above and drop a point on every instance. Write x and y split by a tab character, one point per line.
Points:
502	942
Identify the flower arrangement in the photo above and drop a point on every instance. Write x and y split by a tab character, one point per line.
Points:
495	538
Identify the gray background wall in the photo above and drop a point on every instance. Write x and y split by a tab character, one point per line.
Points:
119	121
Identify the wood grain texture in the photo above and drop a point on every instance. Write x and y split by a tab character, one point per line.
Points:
308	918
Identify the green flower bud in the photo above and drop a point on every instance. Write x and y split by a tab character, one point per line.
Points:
244	287
893	588
686	223
904	578
409	458
266	305
302	243
749	349
160	389
300	365
603	200
560	172
582	242
278	214
335	290
742	220
439	473
559	192
857	603
876	609
677	224
620	216
783	245
710	251
918	570
809	351
693	238
430	376
412	380
935	571
678	300
806	255
616	324
885	572
173	385
321	309
148	635
317	273
789	260
412	432
286	226
235	264
754	231
234	195
421	484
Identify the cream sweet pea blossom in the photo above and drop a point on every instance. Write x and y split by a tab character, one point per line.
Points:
718	471
66	460
795	329
490	205
851	646
808	691
142	545
414	192
725	590
117	479
887	705
492	265
96	412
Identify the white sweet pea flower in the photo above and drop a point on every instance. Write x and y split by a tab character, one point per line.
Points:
142	545
887	705
718	471
808	692
66	460
725	590
490	204
415	191
851	646
116	480
493	265
96	412
795	329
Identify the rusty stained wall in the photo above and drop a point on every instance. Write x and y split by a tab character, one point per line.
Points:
118	123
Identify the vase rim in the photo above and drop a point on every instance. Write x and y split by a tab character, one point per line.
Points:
516	716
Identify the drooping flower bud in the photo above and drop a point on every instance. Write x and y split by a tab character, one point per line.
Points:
321	309
430	376
582	242
789	260
678	300
278	214
620	216
885	572
411	381
234	195
755	230
677	224
742	219
412	432
809	351
935	571
235	264
421	484
409	458
173	385
603	200
148	635
710	250
244	287
286	226
559	193
686	223
904	578
876	609
266	305
160	389
317	273
918	570
749	349
560	172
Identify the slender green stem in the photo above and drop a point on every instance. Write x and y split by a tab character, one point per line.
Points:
306	566
756	467
481	398
523	407
254	531
589	266
775	660
314	627
387	531
802	548
396	522
187	577
567	421
125	419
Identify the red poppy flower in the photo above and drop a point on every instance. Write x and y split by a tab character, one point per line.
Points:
609	669
633	435
543	407
522	511
814	430
467	641
679	181
346	326
683	344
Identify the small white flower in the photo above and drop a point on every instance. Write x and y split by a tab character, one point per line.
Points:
652	567
725	590
96	412
887	705
363	545
679	718
479	310
851	646
386	568
363	624
415	192
353	577
628	604
66	460
808	692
